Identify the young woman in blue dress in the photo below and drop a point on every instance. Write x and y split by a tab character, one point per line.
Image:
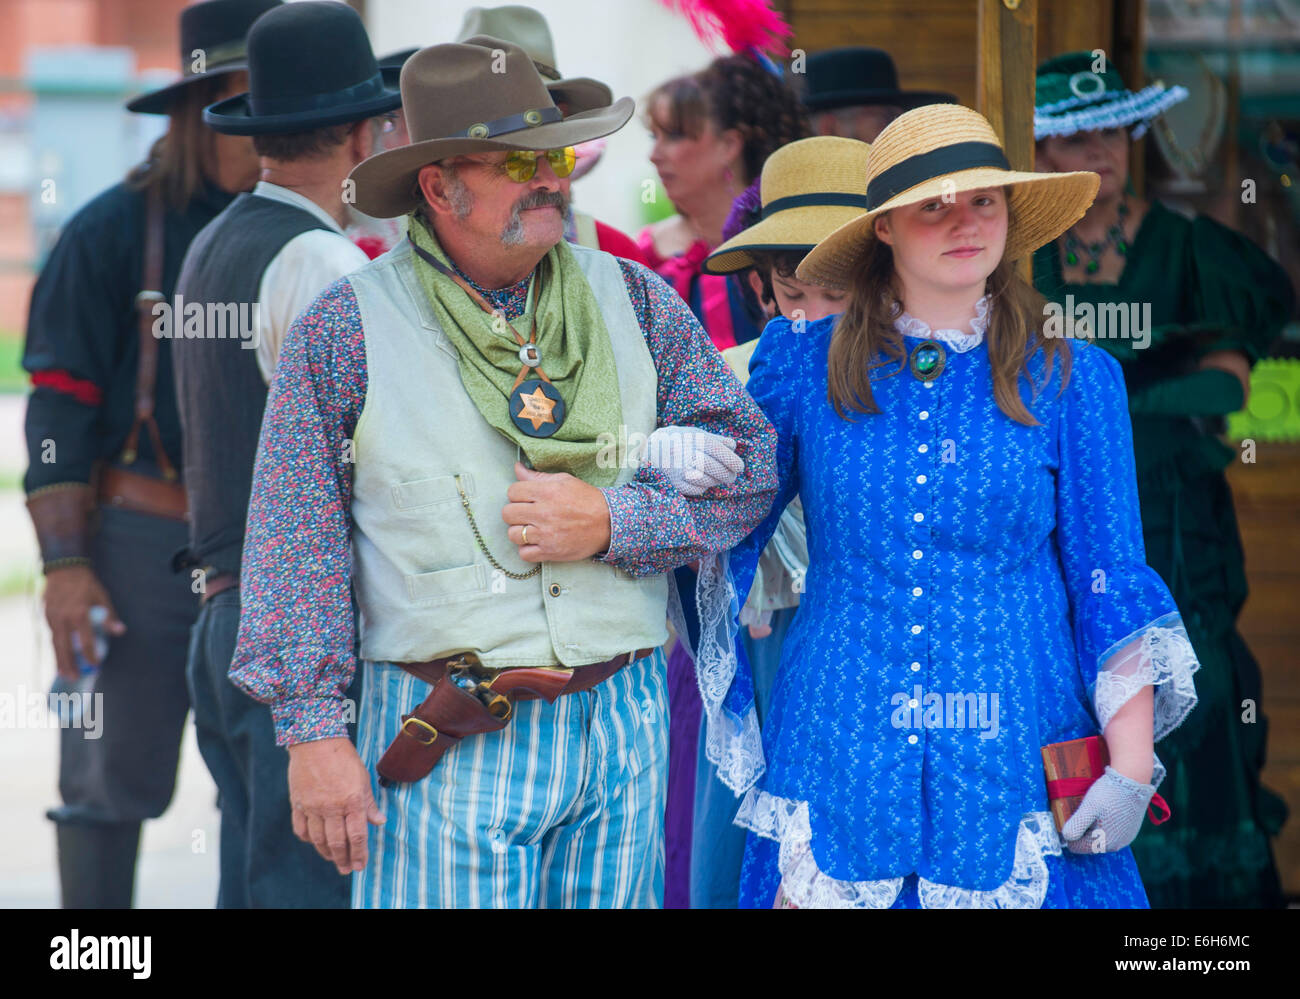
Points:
977	587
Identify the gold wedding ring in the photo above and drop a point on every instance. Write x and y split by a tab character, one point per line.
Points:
525	534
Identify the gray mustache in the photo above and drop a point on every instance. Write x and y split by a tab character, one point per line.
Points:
542	199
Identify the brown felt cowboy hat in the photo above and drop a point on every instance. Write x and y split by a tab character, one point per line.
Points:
478	96
528	29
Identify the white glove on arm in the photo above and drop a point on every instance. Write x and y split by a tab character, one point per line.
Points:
1109	816
694	460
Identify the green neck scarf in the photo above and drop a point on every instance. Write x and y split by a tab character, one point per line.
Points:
575	349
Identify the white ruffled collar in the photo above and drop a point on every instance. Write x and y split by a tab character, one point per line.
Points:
958	340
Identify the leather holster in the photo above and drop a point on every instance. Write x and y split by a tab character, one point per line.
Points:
470	699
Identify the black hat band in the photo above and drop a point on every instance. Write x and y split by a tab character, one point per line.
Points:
355	94
510	123
926	166
812	200
214	56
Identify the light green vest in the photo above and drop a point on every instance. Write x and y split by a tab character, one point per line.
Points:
424	587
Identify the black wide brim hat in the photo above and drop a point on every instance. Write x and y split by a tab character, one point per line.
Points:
853	75
310	66
217	29
908	100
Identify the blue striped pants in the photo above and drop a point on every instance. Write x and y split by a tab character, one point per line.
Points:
563	808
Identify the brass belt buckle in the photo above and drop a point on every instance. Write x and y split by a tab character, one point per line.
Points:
468	673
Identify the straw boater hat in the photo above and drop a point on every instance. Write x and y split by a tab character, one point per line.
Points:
944	149
456	104
809	188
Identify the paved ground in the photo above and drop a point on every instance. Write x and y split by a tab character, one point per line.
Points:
178	864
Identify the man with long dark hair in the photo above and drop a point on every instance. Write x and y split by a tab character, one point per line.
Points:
103	486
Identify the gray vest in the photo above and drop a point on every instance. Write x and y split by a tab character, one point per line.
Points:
424	587
220	393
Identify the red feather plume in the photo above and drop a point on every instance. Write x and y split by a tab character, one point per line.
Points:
739	24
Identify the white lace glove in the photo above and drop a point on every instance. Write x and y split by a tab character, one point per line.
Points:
694	460
1109	816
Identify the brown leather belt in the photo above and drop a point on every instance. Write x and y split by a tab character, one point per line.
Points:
213	585
126	490
469	698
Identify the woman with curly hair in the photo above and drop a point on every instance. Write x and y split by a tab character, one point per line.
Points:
712	132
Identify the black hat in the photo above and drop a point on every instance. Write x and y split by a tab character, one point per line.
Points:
846	77
310	65
212	38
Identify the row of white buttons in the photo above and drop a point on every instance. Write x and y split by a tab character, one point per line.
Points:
918	518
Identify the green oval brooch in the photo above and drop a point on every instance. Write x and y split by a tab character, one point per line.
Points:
927	360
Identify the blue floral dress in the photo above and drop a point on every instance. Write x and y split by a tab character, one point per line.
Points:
976	589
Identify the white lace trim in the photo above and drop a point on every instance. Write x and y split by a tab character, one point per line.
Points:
732	744
808	888
1159	654
958	340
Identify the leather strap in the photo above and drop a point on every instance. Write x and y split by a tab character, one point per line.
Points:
468	700
146	372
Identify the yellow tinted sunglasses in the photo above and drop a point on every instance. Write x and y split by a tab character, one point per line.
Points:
522	164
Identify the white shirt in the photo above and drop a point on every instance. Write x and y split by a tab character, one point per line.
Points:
305	266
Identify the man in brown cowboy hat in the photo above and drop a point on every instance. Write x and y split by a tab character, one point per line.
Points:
455	433
105	446
526	27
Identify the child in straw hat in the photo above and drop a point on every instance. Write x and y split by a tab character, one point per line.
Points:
808	189
976	588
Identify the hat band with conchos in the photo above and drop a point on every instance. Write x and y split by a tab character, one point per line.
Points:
820	198
905	175
512	123
365	90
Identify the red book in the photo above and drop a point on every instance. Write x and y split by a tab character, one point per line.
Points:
1072	767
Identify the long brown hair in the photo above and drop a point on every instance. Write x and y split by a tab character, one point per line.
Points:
865	339
183	157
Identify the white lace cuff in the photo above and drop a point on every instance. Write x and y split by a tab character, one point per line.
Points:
808	888
1159	655
732	742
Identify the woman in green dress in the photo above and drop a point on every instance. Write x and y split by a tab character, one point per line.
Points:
1192	305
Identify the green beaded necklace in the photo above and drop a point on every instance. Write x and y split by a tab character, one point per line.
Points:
1114	237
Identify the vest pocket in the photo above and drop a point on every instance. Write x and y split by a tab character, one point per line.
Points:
428	492
466	582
